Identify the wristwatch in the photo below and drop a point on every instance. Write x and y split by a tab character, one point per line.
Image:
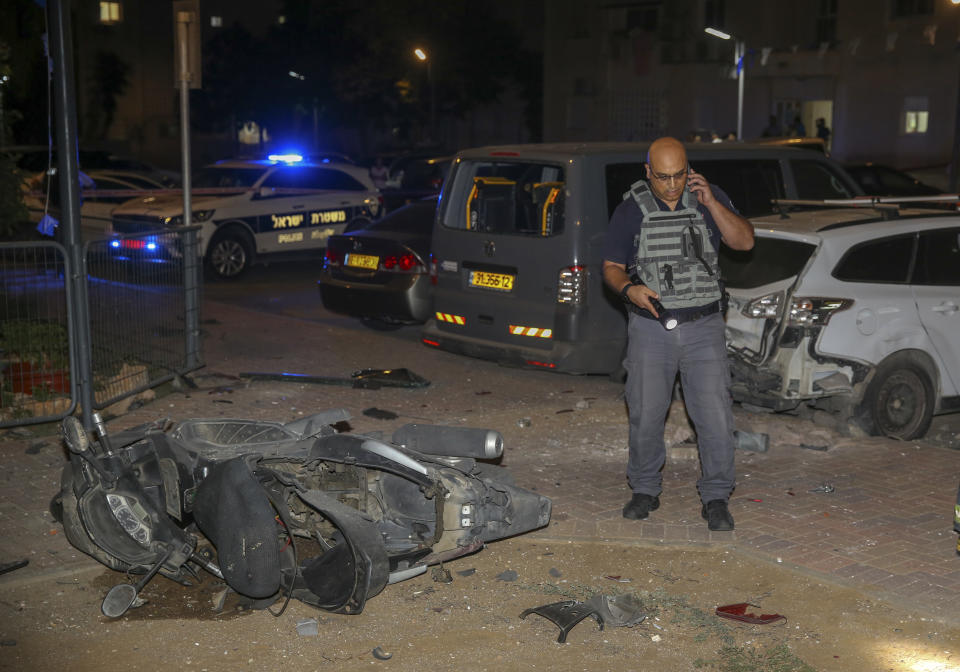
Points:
623	292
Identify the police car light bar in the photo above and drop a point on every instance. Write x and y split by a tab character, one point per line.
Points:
286	158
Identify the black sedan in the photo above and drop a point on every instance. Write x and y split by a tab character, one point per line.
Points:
381	273
878	180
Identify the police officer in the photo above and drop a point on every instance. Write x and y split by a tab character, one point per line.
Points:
660	256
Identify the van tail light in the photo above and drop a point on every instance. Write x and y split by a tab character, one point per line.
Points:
434	269
572	284
815	311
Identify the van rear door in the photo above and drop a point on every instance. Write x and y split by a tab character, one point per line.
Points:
500	228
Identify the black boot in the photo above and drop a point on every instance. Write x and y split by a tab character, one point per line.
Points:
640	506
717	515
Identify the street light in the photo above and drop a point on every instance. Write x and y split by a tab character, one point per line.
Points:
738	52
953	170
422	56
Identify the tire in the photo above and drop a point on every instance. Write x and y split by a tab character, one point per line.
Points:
377	324
899	400
229	255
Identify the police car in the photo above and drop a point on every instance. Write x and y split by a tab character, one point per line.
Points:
250	210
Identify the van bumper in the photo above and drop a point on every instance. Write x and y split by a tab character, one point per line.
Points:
603	357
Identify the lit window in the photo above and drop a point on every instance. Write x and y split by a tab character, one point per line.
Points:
281	19
916	122
110	12
916	115
216	21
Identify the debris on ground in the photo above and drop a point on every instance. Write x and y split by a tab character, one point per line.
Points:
507	575
523	422
825	488
754	442
738	612
369	379
308	627
380	413
10	566
616	610
818	447
380	654
441	574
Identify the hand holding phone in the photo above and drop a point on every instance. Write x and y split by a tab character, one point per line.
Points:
699	186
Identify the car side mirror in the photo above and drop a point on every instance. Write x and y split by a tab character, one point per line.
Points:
266	192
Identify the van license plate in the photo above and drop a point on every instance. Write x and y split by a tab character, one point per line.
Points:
362	261
491	280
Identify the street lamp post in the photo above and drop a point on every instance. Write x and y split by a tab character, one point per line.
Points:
422	56
952	173
738	52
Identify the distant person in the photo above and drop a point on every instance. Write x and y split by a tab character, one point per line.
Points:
731	136
379	173
715	137
822	131
797	129
773	129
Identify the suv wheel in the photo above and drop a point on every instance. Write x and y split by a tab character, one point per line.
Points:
229	255
899	400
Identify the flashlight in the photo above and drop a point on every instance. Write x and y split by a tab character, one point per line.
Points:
665	318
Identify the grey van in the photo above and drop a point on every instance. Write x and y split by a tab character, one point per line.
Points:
518	238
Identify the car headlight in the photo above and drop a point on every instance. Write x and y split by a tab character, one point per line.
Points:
198	216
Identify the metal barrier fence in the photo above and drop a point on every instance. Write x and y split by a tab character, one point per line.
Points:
37	372
142	299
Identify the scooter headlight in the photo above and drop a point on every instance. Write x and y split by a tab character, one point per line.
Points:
131	517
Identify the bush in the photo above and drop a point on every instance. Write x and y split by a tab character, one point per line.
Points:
14	218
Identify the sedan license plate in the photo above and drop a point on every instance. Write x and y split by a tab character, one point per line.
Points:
362	261
499	281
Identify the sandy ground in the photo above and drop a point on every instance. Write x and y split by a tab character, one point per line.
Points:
473	622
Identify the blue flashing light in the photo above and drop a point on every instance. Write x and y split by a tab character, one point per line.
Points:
151	246
114	243
286	158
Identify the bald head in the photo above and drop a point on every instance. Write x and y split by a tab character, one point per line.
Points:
667	169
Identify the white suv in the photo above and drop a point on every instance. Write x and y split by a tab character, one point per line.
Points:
251	209
849	311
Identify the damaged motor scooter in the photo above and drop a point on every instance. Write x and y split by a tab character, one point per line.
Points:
285	511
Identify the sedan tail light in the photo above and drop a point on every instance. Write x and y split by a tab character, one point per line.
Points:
333	258
402	263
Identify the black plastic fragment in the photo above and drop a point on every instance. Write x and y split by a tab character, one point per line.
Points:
565	615
371	379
